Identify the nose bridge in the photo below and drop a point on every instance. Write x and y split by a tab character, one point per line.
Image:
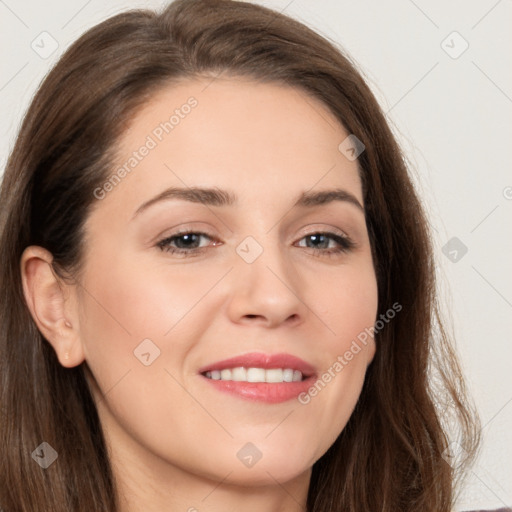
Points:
266	283
263	256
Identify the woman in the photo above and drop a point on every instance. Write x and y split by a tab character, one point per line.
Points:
217	282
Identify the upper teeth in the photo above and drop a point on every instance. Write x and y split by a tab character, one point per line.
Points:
256	374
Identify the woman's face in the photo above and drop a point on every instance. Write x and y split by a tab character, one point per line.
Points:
254	275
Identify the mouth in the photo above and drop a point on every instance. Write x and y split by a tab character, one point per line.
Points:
270	378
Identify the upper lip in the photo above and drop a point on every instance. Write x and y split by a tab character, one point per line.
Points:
260	360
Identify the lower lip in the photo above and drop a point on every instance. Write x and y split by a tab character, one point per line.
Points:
271	393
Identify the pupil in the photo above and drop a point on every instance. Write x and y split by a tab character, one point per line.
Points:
316	238
189	238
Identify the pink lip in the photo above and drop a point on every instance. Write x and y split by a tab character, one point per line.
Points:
260	360
263	391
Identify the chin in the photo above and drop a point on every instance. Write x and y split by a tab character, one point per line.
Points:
278	467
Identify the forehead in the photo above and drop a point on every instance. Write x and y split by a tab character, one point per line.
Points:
265	140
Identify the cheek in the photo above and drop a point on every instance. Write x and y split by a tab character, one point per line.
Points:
139	322
130	316
127	302
348	308
347	302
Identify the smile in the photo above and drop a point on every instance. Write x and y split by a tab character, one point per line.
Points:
241	374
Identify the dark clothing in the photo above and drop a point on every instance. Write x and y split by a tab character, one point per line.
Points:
495	510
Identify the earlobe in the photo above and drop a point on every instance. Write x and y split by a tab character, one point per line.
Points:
46	298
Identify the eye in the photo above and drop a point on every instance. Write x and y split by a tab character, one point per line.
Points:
321	240
186	243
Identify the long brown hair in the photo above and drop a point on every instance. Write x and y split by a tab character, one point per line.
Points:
391	455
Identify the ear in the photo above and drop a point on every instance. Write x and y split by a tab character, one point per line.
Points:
52	304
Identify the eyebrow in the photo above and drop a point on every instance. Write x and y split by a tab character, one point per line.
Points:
219	197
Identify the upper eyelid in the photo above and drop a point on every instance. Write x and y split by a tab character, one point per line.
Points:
306	231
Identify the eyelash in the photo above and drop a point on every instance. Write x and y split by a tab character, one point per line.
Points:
345	244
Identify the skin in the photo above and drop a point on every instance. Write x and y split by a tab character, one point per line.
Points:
172	437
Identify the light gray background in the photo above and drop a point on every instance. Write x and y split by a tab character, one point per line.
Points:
452	115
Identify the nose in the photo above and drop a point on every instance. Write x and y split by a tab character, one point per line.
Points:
267	291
